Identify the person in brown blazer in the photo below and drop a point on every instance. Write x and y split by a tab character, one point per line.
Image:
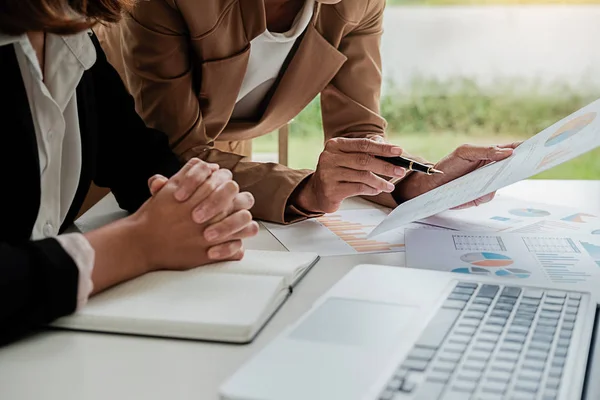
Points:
214	74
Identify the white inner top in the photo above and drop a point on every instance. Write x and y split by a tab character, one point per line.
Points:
53	103
268	52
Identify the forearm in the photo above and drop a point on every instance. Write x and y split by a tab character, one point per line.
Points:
119	255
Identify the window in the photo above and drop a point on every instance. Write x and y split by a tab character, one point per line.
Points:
473	73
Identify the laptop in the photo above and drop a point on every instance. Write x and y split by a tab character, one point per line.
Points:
389	333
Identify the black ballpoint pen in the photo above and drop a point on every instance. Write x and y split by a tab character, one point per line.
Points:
410	165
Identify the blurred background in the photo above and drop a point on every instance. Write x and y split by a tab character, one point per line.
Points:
474	71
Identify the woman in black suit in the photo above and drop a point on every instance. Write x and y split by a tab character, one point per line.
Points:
67	121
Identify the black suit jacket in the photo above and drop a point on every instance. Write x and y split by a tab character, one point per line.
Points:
38	280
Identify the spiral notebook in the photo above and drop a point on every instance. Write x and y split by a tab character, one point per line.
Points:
224	302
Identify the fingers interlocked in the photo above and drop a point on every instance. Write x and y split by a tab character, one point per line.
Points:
218	208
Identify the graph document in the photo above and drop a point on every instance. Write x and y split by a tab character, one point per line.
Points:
506	214
571	260
341	233
563	141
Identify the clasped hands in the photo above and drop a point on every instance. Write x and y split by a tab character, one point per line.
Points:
195	218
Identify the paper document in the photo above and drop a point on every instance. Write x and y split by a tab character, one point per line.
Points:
341	233
527	258
563	141
506	214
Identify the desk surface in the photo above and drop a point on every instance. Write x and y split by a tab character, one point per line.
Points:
65	365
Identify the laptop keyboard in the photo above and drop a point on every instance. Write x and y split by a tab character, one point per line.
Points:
490	342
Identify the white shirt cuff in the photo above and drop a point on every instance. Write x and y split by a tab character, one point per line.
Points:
83	254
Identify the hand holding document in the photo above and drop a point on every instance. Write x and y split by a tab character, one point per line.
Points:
460	162
563	141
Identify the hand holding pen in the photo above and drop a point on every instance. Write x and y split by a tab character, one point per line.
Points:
348	167
409	165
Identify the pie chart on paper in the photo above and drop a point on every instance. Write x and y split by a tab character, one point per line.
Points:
570	129
580	218
472	271
529	212
486	259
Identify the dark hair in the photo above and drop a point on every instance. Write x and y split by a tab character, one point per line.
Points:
58	16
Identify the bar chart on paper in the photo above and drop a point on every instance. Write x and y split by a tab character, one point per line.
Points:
341	233
478	242
354	232
561	257
546	244
561	268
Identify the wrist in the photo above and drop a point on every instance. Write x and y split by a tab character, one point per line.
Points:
408	188
120	255
139	238
304	197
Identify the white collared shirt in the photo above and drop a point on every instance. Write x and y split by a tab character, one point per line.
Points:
53	104
268	52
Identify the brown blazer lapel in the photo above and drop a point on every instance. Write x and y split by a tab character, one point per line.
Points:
305	70
312	68
254	17
221	81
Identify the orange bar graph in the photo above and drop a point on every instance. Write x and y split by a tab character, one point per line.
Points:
372	248
349	238
345	227
355	234
365	247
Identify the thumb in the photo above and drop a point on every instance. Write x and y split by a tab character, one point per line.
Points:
156	183
500	153
512	145
483	153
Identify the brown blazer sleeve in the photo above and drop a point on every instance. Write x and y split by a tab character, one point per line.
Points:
350	103
157	68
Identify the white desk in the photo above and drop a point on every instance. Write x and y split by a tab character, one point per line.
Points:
76	366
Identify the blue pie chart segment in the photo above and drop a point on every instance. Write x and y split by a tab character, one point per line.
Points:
570	129
513	273
529	212
472	271
486	259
